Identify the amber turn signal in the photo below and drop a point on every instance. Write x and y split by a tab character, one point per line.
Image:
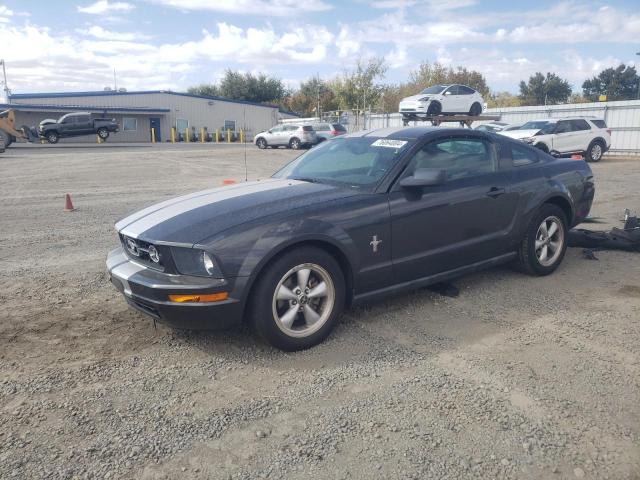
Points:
209	297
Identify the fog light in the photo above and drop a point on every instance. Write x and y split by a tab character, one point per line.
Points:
153	254
199	298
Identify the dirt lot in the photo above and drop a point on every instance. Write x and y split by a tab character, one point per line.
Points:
518	377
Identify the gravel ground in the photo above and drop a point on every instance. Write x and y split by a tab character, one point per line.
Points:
518	377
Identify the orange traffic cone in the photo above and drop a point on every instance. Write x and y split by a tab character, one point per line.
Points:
68	205
228	181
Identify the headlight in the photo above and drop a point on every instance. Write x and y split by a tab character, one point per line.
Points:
191	261
424	99
529	140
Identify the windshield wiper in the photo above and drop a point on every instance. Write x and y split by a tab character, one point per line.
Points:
306	179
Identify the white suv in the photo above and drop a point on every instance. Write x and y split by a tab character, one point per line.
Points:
441	99
565	136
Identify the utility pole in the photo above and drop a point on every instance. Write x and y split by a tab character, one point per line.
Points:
6	85
638	53
318	91
115	82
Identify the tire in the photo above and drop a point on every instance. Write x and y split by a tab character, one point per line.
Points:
475	110
5	139
280	321
542	146
295	144
261	143
539	259
52	137
103	133
435	108
595	151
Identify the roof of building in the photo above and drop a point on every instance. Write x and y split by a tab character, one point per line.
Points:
88	108
107	93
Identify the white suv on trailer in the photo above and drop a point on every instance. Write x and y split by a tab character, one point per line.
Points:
439	100
564	136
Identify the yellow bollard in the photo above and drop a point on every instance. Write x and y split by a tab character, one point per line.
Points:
241	136
186	135
228	135
217	136
98	139
153	135
173	135
202	135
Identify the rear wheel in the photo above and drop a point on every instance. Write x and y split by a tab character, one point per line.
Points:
298	299
475	110
52	137
295	144
261	143
545	244
595	151
5	139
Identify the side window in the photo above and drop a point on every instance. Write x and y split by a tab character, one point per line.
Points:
462	90
69	119
129	124
276	129
580	124
453	89
522	156
459	157
563	126
82	118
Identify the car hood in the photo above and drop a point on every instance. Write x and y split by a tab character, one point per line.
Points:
520	133
194	217
414	98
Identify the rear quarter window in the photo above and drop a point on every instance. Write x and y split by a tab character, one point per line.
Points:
307	128
599	123
339	127
522	156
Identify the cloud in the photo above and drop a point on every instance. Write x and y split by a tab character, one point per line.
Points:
274	8
103	6
5	13
98	32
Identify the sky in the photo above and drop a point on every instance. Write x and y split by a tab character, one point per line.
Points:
52	46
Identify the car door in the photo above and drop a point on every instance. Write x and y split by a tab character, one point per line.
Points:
564	137
67	125
462	221
453	100
83	125
271	135
582	135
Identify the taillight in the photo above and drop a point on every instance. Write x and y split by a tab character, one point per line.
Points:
334	132
609	131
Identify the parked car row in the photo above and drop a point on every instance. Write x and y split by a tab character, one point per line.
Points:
559	136
298	135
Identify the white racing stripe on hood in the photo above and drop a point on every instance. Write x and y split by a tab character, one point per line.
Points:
138	223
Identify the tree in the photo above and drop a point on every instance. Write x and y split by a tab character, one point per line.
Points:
503	99
245	86
305	100
207	89
620	83
359	89
541	90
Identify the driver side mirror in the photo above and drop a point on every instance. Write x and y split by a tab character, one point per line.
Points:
447	92
269	131
424	177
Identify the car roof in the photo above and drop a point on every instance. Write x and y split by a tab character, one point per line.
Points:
406	133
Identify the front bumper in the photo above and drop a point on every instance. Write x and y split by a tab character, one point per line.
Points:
414	109
147	291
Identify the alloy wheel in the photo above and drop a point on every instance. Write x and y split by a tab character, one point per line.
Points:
303	300
596	152
549	241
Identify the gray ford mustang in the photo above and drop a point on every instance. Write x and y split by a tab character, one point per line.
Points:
353	219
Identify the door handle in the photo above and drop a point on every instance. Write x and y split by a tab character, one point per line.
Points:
495	192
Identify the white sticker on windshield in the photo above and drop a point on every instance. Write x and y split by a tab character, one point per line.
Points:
384	142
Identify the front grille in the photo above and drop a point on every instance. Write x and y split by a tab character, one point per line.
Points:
138	250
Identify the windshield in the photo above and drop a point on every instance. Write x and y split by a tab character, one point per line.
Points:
434	89
544	126
351	161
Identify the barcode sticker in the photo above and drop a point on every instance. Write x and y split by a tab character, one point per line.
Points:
384	142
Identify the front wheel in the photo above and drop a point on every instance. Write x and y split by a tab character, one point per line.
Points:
545	244
298	299
261	143
295	144
52	137
103	133
434	108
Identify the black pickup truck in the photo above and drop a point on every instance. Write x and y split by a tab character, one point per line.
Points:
76	124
